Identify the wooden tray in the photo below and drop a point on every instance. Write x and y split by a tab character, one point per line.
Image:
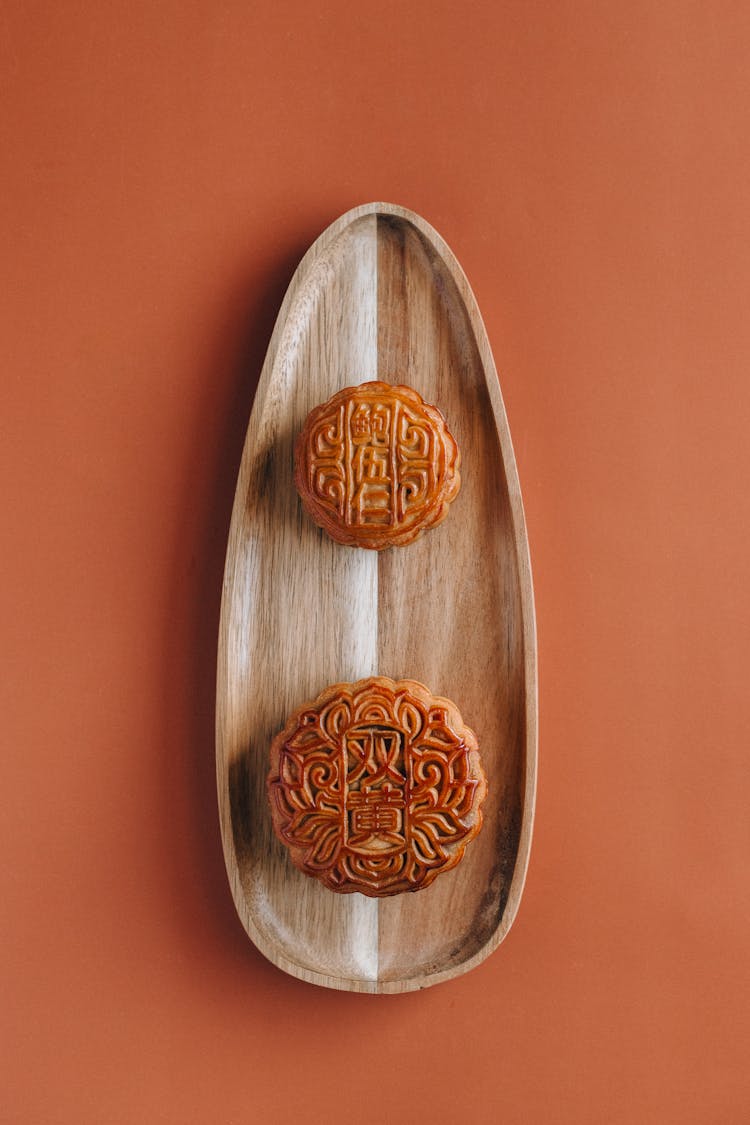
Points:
378	296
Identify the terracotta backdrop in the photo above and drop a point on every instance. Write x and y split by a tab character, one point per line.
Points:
165	167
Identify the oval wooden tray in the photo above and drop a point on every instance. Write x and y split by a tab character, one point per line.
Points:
378	296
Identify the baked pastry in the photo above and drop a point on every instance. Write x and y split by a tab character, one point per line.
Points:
376	787
376	465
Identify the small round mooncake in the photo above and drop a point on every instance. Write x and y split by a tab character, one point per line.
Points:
376	787
376	465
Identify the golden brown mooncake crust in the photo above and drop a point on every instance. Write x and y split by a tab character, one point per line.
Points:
376	787
376	465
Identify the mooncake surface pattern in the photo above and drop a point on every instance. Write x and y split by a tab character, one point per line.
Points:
375	466
376	787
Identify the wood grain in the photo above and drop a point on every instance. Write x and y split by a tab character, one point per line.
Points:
378	296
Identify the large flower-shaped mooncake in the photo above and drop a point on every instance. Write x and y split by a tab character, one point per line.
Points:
376	787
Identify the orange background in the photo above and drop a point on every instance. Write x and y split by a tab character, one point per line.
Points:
166	165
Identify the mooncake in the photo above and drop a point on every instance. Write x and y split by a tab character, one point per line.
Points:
376	787
376	465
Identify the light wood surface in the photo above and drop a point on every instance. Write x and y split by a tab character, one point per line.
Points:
378	296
